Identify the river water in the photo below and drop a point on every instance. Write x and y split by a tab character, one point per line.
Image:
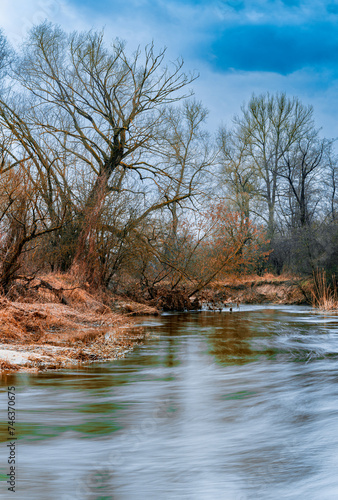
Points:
233	406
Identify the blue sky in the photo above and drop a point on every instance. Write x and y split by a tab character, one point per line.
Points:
238	46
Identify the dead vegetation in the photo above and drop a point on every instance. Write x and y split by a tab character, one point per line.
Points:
235	289
324	291
261	289
53	320
5	366
174	300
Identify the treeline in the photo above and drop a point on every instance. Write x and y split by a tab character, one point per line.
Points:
108	171
278	169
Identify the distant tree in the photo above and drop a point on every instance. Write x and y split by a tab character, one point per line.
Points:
331	186
303	168
229	244
6	55
187	153
238	171
253	154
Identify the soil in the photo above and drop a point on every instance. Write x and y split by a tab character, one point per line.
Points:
268	289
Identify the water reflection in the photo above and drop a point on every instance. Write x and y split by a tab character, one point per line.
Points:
216	406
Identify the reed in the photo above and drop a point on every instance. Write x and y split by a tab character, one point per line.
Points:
324	293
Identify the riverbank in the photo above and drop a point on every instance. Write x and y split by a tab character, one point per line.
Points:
53	322
288	290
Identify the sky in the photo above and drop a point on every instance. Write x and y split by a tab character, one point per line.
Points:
238	47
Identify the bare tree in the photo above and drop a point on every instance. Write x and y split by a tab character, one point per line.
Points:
303	169
106	107
187	155
23	219
266	130
330	183
238	171
6	56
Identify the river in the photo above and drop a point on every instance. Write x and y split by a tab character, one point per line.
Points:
232	406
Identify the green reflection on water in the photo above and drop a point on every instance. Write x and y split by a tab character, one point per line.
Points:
239	395
39	431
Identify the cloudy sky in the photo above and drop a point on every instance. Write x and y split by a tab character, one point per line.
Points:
237	46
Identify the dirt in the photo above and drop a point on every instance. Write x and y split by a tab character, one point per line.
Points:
259	290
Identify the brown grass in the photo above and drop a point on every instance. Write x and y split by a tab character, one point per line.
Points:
35	312
253	289
55	334
254	279
75	293
5	366
324	295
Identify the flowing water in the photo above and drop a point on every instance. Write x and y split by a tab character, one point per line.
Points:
233	406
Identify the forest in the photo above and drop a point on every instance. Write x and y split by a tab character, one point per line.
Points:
109	172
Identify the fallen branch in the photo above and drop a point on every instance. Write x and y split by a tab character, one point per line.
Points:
58	292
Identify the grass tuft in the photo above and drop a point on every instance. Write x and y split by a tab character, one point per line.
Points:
324	294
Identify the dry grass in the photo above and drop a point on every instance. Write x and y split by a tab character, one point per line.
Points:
87	348
72	290
22	322
35	310
17	324
324	295
132	308
253	289
54	333
254	279
5	366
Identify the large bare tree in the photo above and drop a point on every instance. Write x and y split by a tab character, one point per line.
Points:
105	109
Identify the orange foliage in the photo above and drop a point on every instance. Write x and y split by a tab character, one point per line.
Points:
231	244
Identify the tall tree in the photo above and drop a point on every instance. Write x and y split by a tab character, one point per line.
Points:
303	169
6	54
238	171
266	130
187	153
104	108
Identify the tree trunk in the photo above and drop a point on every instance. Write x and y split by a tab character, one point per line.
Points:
86	263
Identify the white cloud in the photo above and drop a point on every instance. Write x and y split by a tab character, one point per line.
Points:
224	93
18	16
278	13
